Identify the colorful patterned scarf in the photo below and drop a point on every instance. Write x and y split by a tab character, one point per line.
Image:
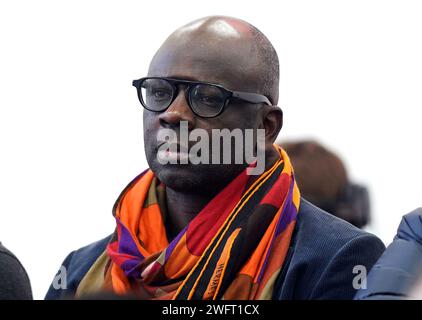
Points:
233	249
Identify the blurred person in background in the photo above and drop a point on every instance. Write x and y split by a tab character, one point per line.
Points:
322	179
14	281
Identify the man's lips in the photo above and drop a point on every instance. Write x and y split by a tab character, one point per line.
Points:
172	153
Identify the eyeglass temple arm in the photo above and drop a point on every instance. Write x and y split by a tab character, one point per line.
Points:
251	97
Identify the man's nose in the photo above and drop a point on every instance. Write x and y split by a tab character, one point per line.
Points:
178	111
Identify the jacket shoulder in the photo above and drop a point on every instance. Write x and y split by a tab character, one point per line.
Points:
14	280
398	269
317	229
323	256
76	265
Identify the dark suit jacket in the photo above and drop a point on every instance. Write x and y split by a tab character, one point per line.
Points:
319	264
14	281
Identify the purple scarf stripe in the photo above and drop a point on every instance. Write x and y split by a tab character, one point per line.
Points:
126	243
130	268
173	244
289	212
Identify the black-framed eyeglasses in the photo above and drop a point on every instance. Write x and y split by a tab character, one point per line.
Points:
207	100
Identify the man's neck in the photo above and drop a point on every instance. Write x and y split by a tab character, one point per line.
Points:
182	207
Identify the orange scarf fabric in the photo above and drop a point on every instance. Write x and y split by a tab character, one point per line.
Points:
233	249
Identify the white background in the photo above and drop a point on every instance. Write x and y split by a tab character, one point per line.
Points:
70	122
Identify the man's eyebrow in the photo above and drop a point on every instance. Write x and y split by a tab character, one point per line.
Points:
183	78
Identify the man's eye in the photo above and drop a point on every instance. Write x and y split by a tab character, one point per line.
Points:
209	99
160	94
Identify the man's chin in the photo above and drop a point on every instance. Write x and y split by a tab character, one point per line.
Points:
180	177
195	178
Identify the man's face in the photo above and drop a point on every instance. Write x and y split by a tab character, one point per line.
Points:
199	63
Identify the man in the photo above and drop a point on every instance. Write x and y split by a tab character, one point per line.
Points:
217	230
14	281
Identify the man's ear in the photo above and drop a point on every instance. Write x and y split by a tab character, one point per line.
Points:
272	123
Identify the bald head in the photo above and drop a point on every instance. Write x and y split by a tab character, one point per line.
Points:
223	50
